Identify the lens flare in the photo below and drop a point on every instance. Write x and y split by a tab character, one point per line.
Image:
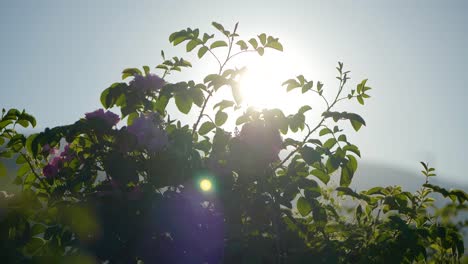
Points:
205	185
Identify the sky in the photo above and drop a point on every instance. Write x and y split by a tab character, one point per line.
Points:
57	57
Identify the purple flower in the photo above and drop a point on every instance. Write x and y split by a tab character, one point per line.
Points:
150	82
264	140
109	117
67	154
147	130
49	171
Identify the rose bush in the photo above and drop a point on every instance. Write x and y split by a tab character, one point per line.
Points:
125	188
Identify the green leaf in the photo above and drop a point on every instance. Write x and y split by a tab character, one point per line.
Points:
347	171
360	100
3	170
218	44
307	86
260	51
220	118
29	118
253	42
352	148
197	95
183	102
242	45
242	119
304	109
262	38
192	44
275	45
130	72
146	69
324	177
360	86
224	104
202	51
303	206
310	155
329	143
219	27
342	138
325	131
291	84
356	121
206	37
206	127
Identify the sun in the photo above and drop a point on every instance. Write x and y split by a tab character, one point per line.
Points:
205	185
261	85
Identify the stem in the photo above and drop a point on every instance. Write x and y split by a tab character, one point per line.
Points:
316	127
210	93
35	173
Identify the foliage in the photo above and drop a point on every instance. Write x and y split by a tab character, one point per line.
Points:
125	188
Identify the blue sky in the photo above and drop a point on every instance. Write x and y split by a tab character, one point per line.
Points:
57	56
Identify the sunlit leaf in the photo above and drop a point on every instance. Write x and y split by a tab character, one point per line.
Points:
220	118
303	206
218	44
206	127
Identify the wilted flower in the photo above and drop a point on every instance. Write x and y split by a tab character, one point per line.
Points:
150	82
148	132
109	117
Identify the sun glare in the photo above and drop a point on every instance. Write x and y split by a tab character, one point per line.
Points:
261	85
205	185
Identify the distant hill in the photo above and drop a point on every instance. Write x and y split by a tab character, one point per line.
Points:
369	175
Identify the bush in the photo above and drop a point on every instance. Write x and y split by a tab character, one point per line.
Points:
141	187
